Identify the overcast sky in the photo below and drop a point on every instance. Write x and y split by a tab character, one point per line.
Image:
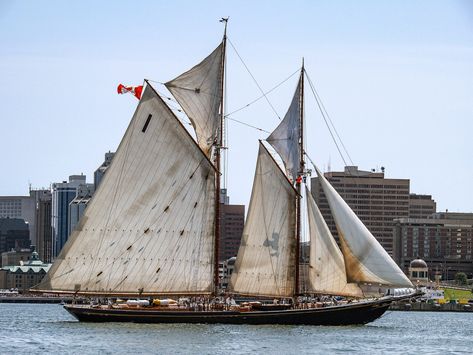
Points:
395	77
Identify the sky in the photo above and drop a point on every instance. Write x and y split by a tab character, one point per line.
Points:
395	77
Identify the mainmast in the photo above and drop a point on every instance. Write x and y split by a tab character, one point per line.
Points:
299	180
218	147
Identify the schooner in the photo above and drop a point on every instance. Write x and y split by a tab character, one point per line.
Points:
151	229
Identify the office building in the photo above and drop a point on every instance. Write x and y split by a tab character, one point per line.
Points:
14	234
421	206
444	241
79	203
62	195
232	220
376	200
43	235
22	207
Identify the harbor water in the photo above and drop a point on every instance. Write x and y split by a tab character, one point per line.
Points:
48	328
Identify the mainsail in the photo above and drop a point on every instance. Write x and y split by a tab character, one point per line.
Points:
150	227
265	264
326	266
365	259
199	92
285	138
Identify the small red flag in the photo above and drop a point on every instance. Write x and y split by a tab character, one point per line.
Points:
135	90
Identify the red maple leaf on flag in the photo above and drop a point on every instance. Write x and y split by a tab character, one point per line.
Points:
135	90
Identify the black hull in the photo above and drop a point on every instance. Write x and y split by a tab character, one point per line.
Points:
347	314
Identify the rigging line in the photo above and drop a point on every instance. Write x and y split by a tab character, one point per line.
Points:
308	157
318	98
246	124
264	94
254	79
326	122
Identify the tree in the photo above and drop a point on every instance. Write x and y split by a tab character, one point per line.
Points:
460	277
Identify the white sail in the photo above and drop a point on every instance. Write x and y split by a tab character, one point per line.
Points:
326	266
150	226
265	264
285	138
365	259
199	92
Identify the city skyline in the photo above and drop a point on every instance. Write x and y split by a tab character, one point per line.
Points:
396	80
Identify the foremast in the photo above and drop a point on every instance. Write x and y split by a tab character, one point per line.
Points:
218	148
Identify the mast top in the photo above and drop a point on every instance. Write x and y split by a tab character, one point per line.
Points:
225	21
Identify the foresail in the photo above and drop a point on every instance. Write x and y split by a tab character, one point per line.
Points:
199	92
326	266
265	264
365	259
149	228
285	138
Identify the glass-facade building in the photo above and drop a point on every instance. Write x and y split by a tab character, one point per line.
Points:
63	193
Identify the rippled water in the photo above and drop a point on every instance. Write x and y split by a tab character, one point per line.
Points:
28	328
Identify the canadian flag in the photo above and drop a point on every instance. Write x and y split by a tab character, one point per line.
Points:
135	90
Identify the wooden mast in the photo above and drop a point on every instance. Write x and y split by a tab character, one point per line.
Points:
218	147
299	180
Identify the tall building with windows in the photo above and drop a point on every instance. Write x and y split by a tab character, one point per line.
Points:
22	207
232	220
43	239
79	203
62	195
421	206
444	241
14	234
376	200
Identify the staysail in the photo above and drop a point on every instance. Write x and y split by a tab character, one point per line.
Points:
149	229
199	92
265	264
285	138
326	266
365	259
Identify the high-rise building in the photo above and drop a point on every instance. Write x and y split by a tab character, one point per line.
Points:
62	195
376	200
79	203
100	172
22	207
232	219
43	239
14	234
444	241
421	206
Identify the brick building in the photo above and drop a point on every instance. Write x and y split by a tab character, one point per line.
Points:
232	220
444	241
